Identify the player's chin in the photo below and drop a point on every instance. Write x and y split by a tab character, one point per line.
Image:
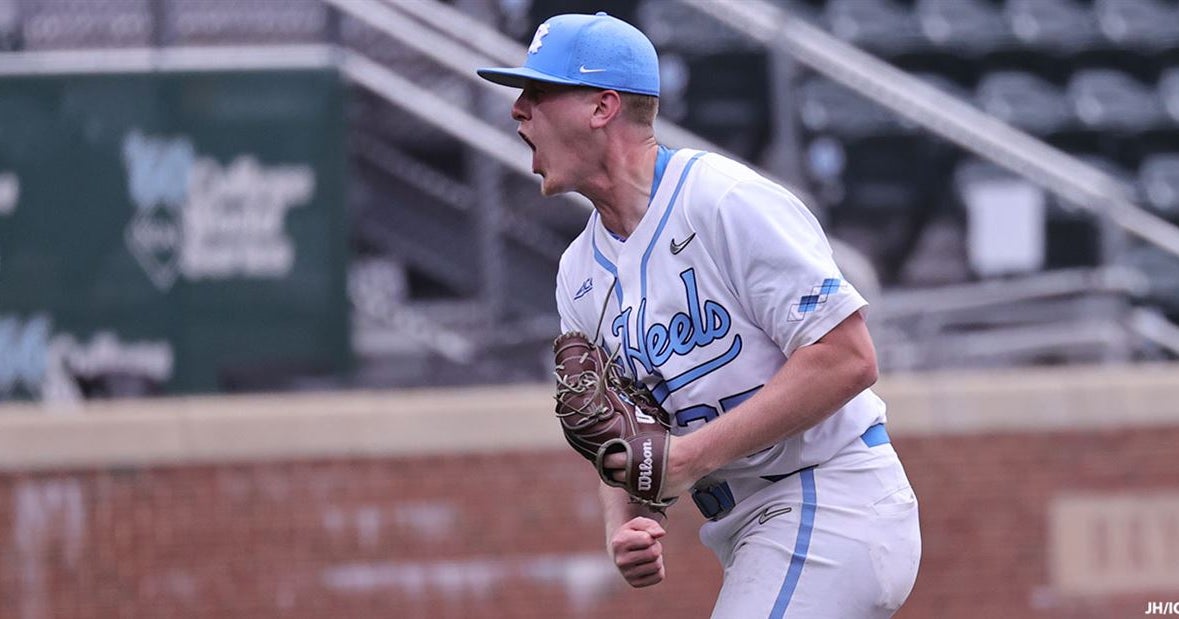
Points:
549	187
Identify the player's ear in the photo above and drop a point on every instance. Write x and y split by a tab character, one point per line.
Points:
607	106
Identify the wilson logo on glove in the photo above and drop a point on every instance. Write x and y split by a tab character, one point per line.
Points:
645	467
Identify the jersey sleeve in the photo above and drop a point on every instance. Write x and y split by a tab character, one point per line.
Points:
569	319
779	263
563	305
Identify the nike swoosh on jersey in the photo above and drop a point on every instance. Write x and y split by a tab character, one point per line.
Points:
582	69
678	247
772	513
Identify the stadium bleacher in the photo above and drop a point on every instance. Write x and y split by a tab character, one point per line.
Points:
1066	71
1095	78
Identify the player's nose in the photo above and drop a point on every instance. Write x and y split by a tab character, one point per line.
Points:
520	108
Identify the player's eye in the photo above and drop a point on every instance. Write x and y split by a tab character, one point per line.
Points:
533	93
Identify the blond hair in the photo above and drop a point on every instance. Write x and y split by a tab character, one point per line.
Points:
640	109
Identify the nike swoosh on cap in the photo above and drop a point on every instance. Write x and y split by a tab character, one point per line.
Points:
582	69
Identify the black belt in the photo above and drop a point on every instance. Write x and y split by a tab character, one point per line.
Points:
716	501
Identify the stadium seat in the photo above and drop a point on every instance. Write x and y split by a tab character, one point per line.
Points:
1168	90
827	107
962	33
1025	101
933	47
1135	37
1053	25
1158	183
970	27
880	26
1050	33
1148	25
1128	114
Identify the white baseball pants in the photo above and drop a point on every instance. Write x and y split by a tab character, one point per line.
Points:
839	540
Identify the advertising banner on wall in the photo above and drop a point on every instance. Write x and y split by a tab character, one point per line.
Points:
171	232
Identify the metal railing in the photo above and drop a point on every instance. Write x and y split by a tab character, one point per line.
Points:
1105	280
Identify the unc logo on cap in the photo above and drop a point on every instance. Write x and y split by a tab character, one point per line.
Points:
536	38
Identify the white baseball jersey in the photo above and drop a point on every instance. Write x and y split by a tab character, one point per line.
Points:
724	278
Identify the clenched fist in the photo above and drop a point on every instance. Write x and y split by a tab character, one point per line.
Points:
637	553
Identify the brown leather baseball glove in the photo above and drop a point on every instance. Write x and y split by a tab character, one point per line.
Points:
603	412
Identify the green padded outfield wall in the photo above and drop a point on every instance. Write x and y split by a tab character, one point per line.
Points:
171	232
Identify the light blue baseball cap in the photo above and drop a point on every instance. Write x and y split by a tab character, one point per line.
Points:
586	50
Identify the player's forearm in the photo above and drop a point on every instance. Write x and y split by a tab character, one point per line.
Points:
617	509
814	383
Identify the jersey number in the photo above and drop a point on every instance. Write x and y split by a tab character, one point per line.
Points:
708	412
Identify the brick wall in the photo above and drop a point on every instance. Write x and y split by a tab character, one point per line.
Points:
1044	493
510	535
984	513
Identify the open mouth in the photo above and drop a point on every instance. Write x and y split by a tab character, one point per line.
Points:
532	146
526	141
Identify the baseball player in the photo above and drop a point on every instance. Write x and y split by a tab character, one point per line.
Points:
716	289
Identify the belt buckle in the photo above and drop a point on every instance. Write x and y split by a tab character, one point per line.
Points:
714	501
